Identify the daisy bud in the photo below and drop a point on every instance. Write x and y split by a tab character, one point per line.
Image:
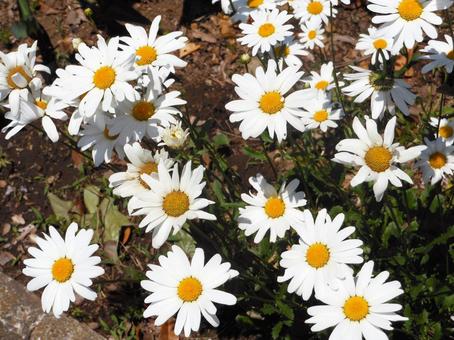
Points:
245	58
174	136
88	12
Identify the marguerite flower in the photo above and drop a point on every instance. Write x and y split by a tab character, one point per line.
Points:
320	113
436	161
376	156
290	53
322	83
170	201
17	72
405	20
322	256
244	8
63	266
101	141
373	43
440	54
271	210
142	161
187	289
102	79
36	106
151	50
445	129
315	11
173	136
359	308
385	92
141	117
264	102
266	30
312	35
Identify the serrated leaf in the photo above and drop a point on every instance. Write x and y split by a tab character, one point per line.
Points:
60	207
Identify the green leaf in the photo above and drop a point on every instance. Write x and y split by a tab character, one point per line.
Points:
19	30
185	241
277	330
220	140
285	310
258	155
112	219
60	207
91	198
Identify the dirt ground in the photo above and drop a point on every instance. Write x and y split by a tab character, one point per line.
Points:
31	166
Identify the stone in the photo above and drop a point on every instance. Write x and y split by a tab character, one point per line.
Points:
21	317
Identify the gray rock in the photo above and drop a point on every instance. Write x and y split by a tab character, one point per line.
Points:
21	317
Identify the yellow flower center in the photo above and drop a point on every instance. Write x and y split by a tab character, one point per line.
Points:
189	289
175	203
378	158
108	135
104	77
281	51
274	207
148	168
356	308
12	72
317	255
321	116
62	269
271	102
312	34
410	9
446	131
143	110
315	7
322	85
380	44
450	55
437	160
254	3
42	104
147	55
266	30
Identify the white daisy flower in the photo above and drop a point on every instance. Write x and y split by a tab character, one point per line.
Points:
319	113
63	266
101	141
373	42
289	53
170	201
271	210
187	288
142	161
315	11
266	30
322	256
173	136
244	8
336	2
445	129
322	83
436	161
376	156
151	50
312	35
102	79
264	102
141	117
359	308
17	72
405	20
385	92
36	106
440	54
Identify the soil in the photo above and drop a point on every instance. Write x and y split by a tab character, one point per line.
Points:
31	165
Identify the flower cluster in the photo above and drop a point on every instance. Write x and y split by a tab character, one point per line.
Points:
119	98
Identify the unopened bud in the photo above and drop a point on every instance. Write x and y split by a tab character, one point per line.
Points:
245	58
88	12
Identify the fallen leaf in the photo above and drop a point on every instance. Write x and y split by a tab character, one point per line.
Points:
5	257
6	227
77	158
24	232
17	219
204	36
126	235
188	49
3	184
91	198
166	331
60	207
